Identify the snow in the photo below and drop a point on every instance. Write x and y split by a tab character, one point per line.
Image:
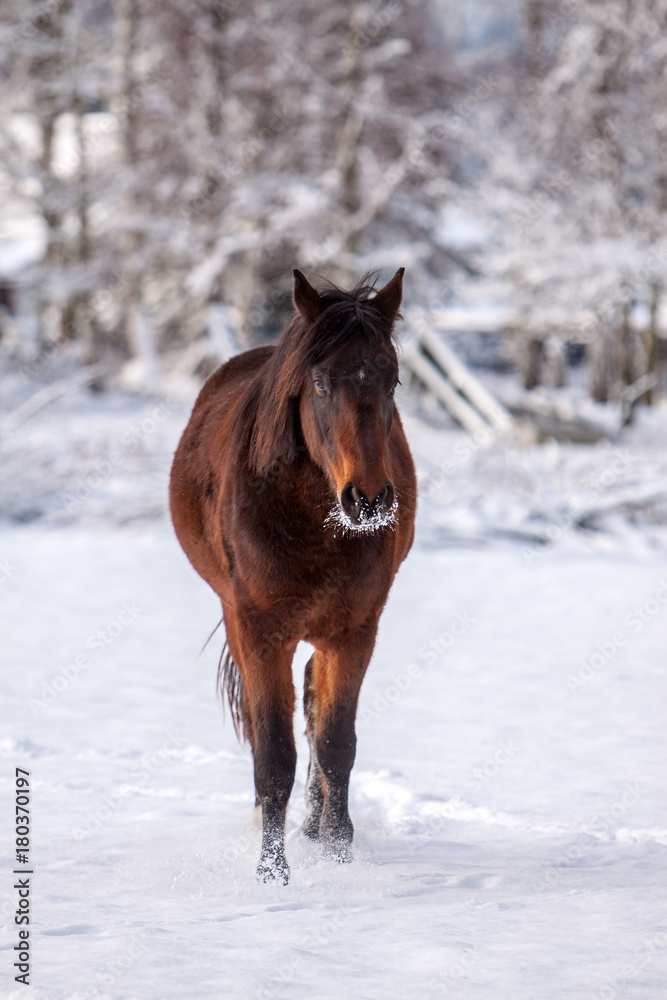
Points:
460	230
22	241
339	521
507	794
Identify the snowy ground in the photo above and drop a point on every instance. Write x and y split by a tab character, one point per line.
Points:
508	794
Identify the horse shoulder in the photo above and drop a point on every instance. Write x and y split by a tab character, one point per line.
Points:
201	463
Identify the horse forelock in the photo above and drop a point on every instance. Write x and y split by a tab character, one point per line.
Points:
347	320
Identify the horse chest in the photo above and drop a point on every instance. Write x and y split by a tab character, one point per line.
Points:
317	583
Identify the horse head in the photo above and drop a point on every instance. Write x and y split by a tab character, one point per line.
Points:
346	403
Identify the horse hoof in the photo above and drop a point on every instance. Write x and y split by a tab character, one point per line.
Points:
339	851
273	870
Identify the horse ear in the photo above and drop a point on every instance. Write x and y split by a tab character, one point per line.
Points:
388	299
306	298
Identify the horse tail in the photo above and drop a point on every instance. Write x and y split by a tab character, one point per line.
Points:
229	682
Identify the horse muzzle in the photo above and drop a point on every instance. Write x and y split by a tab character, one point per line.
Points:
360	510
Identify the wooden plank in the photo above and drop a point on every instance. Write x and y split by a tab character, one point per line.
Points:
460	409
466	382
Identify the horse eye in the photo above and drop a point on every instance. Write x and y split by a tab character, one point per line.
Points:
319	385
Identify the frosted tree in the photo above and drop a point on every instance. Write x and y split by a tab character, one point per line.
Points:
572	186
209	148
48	51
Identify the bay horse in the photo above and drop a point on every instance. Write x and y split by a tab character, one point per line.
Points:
293	495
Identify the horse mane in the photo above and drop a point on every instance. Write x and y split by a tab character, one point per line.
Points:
346	317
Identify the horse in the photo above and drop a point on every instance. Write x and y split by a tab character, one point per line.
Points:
293	495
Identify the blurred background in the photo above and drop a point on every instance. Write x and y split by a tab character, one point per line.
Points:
165	165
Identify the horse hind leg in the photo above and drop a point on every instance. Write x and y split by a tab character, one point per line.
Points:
314	787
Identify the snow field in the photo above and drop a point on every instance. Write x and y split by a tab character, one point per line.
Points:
510	831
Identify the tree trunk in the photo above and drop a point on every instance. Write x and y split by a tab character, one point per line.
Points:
350	126
601	367
133	321
532	363
652	342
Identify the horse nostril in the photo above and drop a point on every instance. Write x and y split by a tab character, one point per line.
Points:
354	503
384	499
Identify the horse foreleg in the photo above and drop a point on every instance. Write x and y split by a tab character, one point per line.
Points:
337	677
268	710
274	756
